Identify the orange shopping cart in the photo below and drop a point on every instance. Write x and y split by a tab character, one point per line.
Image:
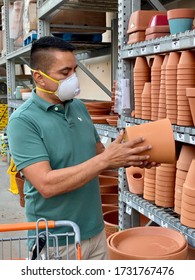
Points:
13	246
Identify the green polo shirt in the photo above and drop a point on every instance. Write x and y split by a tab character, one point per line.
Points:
65	136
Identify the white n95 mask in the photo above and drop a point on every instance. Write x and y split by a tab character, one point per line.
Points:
67	88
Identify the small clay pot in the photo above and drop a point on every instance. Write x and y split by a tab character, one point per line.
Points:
135	179
153	133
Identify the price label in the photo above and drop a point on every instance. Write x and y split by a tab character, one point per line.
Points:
151	216
180	137
157	48
128	210
105	133
141	210
192	139
143	50
163	224
130	52
175	44
128	124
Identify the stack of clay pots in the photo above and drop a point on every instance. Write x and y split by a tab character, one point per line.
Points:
146	102
155	85
149	184
188	198
162	94
108	180
147	243
185	79
190	93
186	156
138	23
171	86
135	179
165	185
141	76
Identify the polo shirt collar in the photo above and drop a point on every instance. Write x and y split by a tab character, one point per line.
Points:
40	102
43	104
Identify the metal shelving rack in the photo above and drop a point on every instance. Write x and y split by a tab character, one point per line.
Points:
47	9
131	205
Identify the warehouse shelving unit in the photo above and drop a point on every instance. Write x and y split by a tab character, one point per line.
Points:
123	55
132	205
84	50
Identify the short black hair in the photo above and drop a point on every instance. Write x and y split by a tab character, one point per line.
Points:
40	56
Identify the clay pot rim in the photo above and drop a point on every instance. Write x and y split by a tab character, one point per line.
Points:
180	13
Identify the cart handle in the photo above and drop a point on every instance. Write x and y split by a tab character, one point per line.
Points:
26	226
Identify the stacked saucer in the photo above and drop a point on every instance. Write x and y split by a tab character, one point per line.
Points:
149	184
165	185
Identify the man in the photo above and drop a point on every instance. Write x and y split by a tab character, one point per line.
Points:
55	145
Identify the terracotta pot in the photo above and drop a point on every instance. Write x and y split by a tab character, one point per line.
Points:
185	157
154	132
147	243
187	58
135	37
140	19
173	61
106	208
135	179
190	93
180	13
108	199
111	222
188	199
187	222
190	178
180	20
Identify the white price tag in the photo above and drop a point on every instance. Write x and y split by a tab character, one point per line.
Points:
192	139
130	52
156	48
163	224
128	124
128	210
180	137
143	50
105	133
141	210
151	216
175	44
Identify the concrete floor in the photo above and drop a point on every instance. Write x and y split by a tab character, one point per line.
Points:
10	212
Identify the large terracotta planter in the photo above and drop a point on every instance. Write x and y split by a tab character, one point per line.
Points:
163	148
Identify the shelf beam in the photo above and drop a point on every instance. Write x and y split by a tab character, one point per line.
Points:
157	5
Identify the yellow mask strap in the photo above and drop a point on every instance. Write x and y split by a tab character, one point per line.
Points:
50	78
48	91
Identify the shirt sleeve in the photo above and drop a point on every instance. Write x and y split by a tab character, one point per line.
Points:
25	144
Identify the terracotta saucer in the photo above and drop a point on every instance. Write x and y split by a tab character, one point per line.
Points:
148	242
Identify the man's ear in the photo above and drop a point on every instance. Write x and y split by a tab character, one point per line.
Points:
38	78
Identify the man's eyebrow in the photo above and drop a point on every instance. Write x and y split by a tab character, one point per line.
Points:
68	68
